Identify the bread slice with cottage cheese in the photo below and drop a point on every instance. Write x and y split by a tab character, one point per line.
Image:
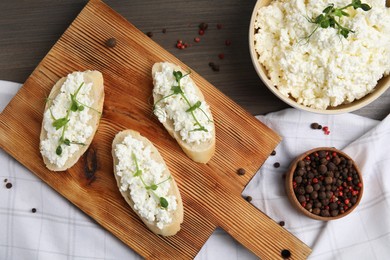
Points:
67	134
143	179
193	130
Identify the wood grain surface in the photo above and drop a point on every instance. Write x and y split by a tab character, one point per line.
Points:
28	29
211	192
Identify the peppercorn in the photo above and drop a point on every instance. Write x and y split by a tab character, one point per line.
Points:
111	43
203	26
241	171
314	125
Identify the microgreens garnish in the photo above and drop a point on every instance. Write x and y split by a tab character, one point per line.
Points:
59	123
177	90
152	187
331	17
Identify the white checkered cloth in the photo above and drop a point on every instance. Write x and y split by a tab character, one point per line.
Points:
58	230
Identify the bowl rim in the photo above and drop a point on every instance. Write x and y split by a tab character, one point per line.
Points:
384	82
290	190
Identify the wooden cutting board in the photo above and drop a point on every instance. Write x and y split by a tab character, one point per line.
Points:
211	192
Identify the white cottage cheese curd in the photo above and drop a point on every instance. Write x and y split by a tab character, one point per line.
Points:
327	70
146	202
174	108
77	129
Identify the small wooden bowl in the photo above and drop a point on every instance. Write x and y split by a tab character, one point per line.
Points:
293	197
382	85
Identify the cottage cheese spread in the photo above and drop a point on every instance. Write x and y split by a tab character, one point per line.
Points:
77	129
327	70
174	108
146	202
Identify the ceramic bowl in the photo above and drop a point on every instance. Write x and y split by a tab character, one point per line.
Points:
381	87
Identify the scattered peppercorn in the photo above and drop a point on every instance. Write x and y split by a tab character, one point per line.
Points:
111	43
196	39
281	223
33	210
215	67
248	198
164	30
150	34
241	171
5	180
8	185
319	127
314	125
228	42
221	56
181	45
285	253
203	26
201	32
273	153
276	165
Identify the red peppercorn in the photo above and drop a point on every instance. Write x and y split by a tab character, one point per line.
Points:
360	184
325	128
221	56
294	184
228	42
201	32
316	154
345	207
334	154
327	158
327	132
346	201
338	202
340	193
349	178
303	204
307	158
197	39
355	192
178	45
182	47
315	180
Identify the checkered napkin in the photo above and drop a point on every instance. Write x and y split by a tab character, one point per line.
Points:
58	230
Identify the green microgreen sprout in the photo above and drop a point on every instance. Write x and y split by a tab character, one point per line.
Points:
59	123
152	187
177	90
331	17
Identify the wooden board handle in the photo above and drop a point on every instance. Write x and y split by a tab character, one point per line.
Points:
263	237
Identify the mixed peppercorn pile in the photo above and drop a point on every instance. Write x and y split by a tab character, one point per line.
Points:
326	183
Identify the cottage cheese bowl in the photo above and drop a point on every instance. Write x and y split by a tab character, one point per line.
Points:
326	73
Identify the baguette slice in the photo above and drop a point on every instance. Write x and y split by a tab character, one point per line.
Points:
200	153
97	94
177	215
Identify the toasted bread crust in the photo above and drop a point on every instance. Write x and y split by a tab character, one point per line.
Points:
97	94
201	153
177	216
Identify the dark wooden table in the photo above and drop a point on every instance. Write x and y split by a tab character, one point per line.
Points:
28	29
